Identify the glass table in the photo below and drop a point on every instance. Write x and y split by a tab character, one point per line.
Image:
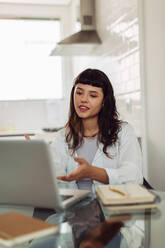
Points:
90	225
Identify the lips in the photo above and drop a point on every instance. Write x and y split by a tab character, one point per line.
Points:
83	108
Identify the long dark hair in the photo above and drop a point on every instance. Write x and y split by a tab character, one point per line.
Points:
108	121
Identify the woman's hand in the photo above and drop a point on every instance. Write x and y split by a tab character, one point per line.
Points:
86	170
83	171
27	137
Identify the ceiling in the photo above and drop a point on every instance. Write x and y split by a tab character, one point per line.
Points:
52	2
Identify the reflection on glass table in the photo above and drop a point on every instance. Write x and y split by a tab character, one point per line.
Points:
86	225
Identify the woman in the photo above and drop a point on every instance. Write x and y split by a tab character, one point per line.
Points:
95	146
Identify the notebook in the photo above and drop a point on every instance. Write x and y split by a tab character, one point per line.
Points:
28	177
16	228
124	196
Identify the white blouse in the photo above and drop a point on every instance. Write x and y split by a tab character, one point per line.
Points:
125	166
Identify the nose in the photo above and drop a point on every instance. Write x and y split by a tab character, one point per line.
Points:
84	98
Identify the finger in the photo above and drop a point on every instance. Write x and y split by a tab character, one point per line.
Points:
64	178
72	177
68	178
27	137
79	160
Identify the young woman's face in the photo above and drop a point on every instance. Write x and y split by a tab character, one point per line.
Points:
87	100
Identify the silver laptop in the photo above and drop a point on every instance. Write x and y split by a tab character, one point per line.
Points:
28	177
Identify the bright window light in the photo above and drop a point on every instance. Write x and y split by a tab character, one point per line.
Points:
27	69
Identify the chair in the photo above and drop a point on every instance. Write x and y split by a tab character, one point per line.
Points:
146	184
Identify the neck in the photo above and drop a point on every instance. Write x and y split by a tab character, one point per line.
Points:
90	128
90	136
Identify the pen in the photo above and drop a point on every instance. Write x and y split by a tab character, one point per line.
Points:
117	191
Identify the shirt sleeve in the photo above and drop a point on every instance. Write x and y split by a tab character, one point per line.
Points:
129	169
58	154
62	160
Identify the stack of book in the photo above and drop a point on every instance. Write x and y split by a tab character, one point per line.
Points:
126	196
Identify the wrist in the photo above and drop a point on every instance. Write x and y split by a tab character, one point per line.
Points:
91	172
98	174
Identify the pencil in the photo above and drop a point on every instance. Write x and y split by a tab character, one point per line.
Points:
117	191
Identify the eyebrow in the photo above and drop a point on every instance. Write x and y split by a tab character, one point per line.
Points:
91	91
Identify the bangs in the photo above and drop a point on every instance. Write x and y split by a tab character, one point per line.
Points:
95	83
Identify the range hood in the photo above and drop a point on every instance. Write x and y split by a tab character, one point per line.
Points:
84	42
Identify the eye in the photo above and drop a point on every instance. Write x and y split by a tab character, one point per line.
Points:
93	96
78	92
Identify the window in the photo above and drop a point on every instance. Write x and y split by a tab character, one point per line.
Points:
27	69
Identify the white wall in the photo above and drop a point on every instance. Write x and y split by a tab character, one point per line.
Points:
117	25
152	14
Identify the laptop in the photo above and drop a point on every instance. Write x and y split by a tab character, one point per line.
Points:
28	177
